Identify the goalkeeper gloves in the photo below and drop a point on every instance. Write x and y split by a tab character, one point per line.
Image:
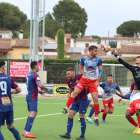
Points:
114	52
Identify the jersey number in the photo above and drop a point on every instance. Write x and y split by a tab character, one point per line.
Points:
3	87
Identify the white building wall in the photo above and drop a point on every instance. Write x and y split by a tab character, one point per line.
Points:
82	44
48	53
5	35
50	40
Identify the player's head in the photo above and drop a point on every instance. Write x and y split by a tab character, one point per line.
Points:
93	50
2	66
34	66
70	73
110	78
138	60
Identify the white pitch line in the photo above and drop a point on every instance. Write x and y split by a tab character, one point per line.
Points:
63	114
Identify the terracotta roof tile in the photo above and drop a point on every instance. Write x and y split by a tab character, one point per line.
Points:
111	38
5	45
4	31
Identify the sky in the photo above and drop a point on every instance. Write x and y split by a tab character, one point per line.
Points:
103	15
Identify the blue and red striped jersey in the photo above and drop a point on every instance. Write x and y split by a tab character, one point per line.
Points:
72	84
132	85
32	89
6	83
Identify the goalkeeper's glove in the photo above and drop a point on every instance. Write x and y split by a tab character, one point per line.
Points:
114	52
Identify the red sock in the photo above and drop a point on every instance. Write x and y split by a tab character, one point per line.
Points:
69	102
138	118
104	116
102	110
132	121
96	109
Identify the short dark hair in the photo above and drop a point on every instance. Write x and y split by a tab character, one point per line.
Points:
2	63
138	57
110	75
69	69
92	47
33	64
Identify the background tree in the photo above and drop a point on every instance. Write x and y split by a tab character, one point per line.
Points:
11	17
26	28
129	28
71	16
60	43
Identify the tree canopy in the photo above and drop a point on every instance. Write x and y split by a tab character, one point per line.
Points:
71	16
10	16
129	28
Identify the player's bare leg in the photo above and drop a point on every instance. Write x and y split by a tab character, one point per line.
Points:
96	106
71	99
128	116
29	125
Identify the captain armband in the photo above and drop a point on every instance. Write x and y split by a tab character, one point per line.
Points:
101	72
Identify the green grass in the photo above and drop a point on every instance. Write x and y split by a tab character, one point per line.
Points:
49	127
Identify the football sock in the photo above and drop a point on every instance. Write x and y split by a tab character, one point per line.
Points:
30	123
91	112
69	125
138	118
102	110
15	133
69	102
132	121
104	116
26	125
1	136
96	108
83	126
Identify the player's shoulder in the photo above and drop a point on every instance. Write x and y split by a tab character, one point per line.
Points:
84	57
68	81
98	58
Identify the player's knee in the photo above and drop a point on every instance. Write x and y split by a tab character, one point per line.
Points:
10	126
70	116
128	116
82	115
95	101
138	112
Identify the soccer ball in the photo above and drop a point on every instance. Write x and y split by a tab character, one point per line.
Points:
106	47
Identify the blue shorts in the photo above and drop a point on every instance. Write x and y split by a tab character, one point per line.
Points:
8	116
32	105
88	102
80	106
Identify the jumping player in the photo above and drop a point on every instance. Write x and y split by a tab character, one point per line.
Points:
6	104
133	108
32	82
91	69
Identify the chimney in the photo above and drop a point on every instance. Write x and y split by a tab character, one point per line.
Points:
20	34
71	42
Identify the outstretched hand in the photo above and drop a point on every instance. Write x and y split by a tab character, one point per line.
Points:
114	52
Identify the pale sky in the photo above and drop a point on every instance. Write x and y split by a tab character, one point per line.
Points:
103	15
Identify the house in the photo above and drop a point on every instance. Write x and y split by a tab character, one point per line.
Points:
67	38
6	34
105	40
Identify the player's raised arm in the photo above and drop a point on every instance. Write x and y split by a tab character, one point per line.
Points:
130	67
115	92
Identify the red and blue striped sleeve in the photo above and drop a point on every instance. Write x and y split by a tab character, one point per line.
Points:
99	62
82	61
14	85
132	86
68	82
37	79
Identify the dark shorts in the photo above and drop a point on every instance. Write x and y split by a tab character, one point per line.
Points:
32	105
80	106
8	116
88	102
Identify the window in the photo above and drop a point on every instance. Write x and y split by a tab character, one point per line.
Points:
24	56
8	56
87	44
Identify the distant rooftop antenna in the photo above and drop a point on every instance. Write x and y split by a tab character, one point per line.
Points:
37	14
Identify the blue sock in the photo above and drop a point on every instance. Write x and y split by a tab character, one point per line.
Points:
91	112
15	133
1	136
26	124
29	124
69	125
83	126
